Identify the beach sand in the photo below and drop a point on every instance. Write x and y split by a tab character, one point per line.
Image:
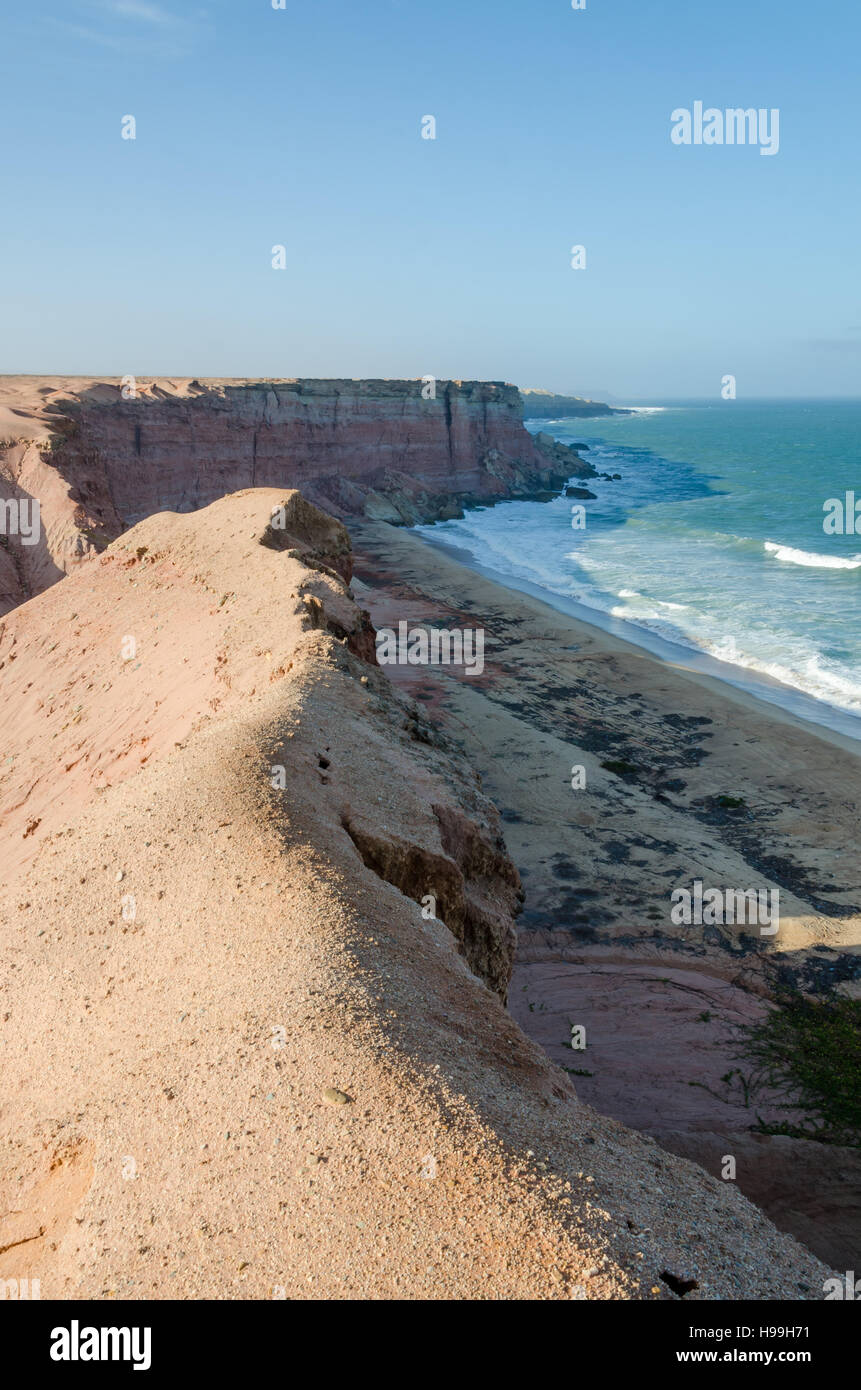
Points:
661	1003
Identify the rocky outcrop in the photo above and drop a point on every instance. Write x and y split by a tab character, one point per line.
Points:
461	870
100	457
546	405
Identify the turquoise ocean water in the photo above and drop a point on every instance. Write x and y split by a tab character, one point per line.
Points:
712	541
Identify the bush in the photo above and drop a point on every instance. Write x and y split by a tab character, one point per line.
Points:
810	1050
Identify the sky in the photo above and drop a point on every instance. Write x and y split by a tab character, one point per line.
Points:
301	127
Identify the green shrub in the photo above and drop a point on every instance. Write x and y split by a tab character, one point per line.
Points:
809	1051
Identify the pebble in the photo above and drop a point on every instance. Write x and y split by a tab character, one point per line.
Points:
335	1097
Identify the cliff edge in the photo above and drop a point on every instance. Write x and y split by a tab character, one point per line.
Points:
547	405
100	456
239	1059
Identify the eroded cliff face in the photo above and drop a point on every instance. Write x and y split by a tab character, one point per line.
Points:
217	611
100	459
219	821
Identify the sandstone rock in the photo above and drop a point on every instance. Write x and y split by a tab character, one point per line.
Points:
99	463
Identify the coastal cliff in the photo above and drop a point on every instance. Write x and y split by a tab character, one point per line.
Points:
246	1063
546	405
100	457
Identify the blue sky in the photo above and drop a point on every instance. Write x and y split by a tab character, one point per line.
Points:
405	256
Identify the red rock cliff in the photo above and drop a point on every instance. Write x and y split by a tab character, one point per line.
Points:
99	462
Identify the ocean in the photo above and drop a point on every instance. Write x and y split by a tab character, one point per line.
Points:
710	549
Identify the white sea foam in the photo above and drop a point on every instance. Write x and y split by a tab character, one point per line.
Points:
810	559
799	666
650	602
806	673
711	569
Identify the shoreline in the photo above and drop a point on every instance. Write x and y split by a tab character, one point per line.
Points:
689	737
662	747
796	705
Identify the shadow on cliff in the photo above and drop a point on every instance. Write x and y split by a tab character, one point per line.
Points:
30	567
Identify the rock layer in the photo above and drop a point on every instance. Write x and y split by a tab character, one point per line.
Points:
99	462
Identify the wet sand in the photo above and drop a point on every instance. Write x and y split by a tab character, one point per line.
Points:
662	1004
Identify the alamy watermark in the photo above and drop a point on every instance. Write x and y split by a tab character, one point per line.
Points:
725	906
843	515
23	1289
849	1288
734	126
21	517
429	646
77	1343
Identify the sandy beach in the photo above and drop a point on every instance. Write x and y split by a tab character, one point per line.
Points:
661	1003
